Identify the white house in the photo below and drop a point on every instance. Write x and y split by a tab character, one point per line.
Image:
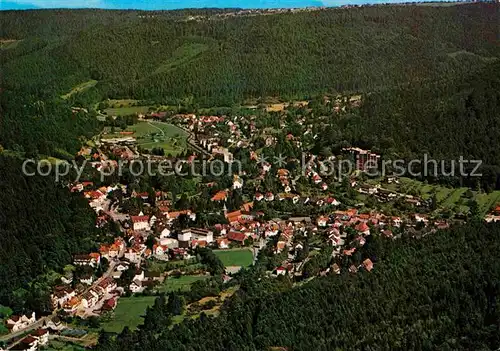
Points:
165	233
133	254
160	250
139	275
61	296
196	234
170	242
15	323
121	267
88	279
280	271
136	286
107	285
89	300
322	221
29	343
140	223
185	235
237	182
92	259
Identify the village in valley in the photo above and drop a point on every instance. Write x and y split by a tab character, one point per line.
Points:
248	188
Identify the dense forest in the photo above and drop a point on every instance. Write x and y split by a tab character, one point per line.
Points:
443	119
439	292
219	62
42	225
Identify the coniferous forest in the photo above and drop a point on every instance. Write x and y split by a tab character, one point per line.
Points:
439	292
430	81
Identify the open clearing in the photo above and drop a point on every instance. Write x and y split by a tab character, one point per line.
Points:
126	111
182	55
129	312
151	135
235	257
6	44
487	201
79	88
183	283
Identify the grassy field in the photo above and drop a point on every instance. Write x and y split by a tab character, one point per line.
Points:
182	55
9	44
454	197
63	346
127	110
129	312
487	201
79	88
151	135
182	283
235	257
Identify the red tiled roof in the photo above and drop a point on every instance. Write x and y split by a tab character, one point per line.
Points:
221	195
236	236
362	227
137	219
28	340
40	332
368	264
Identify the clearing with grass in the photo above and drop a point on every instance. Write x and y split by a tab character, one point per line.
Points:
129	312
80	88
151	135
235	257
183	283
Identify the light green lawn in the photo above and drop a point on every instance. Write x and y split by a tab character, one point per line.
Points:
235	257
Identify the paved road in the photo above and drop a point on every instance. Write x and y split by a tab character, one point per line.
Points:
38	324
161	130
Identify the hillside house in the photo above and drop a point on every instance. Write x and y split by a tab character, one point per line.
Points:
16	323
92	259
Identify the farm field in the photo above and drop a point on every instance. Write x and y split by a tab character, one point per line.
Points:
128	312
235	257
182	283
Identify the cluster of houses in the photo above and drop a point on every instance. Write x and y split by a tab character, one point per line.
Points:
16	323
33	341
90	294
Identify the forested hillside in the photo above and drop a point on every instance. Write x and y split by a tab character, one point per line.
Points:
440	292
220	62
42	225
443	119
